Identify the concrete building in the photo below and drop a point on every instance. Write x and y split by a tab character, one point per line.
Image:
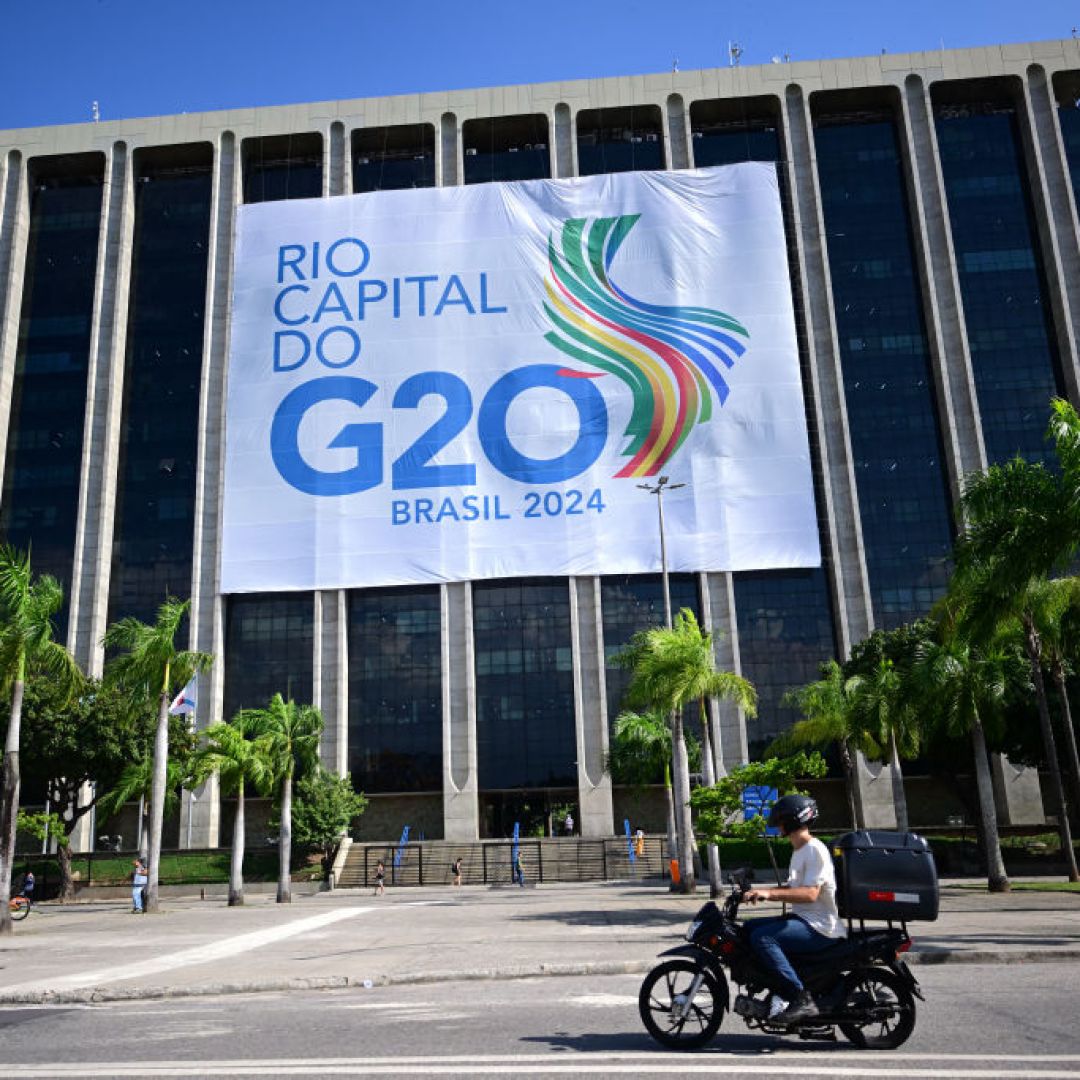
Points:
931	208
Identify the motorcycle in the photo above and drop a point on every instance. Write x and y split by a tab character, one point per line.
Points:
860	984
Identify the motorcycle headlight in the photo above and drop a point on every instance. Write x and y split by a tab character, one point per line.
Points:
692	930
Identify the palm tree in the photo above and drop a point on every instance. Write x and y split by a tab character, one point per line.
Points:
960	686
235	752
1020	526
27	605
829	716
882	707
289	735
150	665
673	668
137	782
1055	604
644	739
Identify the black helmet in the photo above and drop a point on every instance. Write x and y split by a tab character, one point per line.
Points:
793	812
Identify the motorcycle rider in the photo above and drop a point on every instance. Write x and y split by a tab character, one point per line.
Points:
814	923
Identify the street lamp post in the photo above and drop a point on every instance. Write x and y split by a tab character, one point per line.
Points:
657	489
678	822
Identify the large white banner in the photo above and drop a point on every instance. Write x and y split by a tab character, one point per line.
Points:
475	382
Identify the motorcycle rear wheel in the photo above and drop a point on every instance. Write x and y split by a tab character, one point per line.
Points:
660	994
19	907
891	1004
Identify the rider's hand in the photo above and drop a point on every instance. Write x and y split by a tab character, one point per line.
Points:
754	895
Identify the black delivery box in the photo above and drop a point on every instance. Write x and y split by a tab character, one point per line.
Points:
885	875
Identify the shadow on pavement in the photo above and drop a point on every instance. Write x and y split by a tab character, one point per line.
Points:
638	917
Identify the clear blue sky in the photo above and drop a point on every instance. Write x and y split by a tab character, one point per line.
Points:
150	57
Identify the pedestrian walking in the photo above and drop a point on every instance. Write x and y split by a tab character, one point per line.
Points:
517	872
380	878
138	885
28	884
455	866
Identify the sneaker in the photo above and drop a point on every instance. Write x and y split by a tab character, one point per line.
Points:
802	1008
776	1006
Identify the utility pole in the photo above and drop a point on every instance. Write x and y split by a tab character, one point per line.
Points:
657	489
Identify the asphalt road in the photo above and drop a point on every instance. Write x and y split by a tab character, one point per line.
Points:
978	1022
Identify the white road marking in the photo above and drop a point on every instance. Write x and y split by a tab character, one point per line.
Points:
557	1067
201	954
839	1064
604	1001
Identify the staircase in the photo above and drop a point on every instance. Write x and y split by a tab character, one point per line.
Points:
487	862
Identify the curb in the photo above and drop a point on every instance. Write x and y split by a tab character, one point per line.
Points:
92	995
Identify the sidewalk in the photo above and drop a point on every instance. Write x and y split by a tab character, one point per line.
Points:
101	952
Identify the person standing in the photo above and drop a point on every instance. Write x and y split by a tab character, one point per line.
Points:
517	871
28	885
138	884
568	824
380	878
455	866
639	844
814	923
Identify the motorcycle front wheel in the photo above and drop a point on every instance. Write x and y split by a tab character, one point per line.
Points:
885	1007
662	1003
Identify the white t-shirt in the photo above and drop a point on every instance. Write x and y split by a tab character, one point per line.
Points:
812	865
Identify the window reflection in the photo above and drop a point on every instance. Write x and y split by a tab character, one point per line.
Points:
524	684
402	156
283	167
622	139
395	689
506	148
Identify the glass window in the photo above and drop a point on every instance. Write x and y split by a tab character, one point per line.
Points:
48	400
153	534
785	635
633	602
402	156
1001	283
506	148
888	386
732	130
624	139
268	649
395	689
283	167
525	729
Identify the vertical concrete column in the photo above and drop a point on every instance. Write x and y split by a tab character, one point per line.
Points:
207	605
676	133
330	678
590	707
563	143
448	152
14	223
1055	216
461	806
330	681
727	722
104	413
958	405
1017	796
846	557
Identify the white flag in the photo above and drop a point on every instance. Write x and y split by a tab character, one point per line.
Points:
186	701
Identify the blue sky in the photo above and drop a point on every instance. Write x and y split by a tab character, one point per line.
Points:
150	57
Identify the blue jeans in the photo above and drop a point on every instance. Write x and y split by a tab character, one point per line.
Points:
136	897
772	938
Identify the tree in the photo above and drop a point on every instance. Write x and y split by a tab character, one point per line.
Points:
673	668
962	687
151	667
829	716
720	807
641	753
240	758
27	605
1055	605
1020	525
74	751
290	734
326	805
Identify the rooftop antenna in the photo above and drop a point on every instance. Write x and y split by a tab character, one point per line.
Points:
735	52
95	112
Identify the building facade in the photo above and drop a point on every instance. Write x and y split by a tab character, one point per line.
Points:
931	205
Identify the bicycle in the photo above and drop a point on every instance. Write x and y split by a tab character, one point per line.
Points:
19	907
